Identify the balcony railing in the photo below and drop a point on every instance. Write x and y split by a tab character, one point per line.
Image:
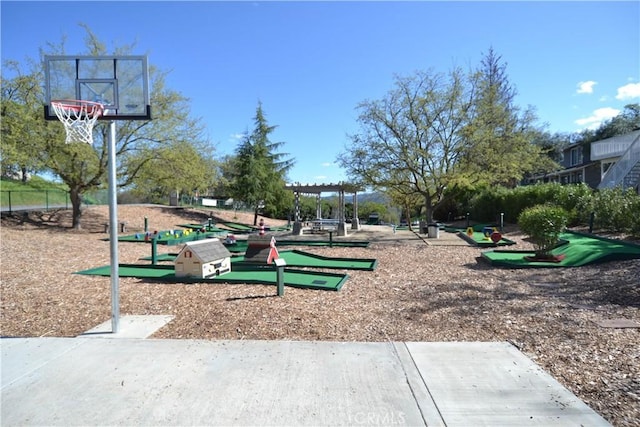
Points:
616	173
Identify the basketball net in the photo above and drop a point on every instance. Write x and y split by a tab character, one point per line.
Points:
78	118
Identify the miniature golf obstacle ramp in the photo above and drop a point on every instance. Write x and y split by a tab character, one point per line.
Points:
298	258
242	274
581	249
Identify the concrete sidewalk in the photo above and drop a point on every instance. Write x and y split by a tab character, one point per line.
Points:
126	381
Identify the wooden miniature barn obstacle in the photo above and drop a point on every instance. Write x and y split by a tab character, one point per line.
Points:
261	249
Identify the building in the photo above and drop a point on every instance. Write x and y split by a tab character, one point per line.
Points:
607	163
203	259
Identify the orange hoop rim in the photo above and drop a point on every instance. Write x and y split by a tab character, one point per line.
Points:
96	109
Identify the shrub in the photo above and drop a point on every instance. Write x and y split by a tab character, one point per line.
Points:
543	224
616	209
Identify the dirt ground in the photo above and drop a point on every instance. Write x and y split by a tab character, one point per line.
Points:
418	292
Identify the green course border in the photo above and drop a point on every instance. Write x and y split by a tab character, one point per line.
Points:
244	274
581	249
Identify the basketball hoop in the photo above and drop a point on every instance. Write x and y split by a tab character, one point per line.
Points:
78	118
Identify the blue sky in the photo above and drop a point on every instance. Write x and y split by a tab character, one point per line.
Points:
311	63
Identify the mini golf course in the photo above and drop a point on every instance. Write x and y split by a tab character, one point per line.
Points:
251	273
234	227
578	250
179	237
241	274
241	245
171	237
478	237
296	258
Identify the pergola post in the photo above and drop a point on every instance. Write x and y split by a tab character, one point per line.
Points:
318	189
297	221
355	222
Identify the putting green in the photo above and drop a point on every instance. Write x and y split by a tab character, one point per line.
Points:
296	258
581	250
245	274
478	239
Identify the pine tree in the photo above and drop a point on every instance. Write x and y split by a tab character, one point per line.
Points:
260	171
499	148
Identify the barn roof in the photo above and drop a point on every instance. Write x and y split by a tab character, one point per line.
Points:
208	250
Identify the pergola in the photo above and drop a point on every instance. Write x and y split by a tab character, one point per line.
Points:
318	189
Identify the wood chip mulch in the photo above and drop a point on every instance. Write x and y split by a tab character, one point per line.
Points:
418	292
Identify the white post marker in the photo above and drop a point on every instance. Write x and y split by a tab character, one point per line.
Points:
280	264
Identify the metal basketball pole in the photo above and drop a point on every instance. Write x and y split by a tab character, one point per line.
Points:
113	229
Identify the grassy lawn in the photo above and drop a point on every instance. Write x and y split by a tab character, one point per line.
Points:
36	192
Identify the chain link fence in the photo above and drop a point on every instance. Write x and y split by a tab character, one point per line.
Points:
20	200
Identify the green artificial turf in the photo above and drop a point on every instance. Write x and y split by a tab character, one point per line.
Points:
582	249
296	258
478	239
244	275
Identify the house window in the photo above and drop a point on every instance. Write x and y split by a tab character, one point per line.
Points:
575	156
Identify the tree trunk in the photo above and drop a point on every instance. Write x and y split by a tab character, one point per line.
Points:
428	208
76	201
255	216
25	175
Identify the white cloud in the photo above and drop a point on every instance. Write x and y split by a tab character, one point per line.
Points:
629	91
586	87
237	136
319	177
597	117
326	164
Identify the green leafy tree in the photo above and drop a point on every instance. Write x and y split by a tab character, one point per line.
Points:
627	121
21	125
410	141
409	201
259	170
499	137
176	168
224	173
